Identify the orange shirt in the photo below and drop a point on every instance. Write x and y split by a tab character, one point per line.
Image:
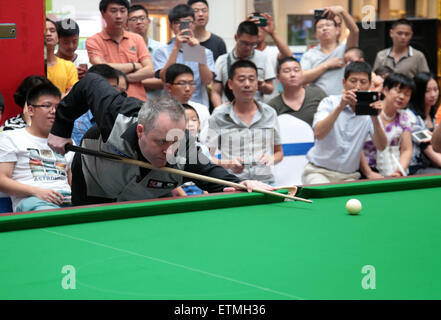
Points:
132	48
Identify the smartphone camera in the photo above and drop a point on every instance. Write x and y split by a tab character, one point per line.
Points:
185	24
318	13
262	20
364	99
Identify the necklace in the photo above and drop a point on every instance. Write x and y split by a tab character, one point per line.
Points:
385	116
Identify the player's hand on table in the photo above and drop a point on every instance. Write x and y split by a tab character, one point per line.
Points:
57	144
250	185
49	195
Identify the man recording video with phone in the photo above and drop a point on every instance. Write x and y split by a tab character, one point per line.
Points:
323	65
181	19
340	133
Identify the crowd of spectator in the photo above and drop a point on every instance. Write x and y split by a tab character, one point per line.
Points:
131	90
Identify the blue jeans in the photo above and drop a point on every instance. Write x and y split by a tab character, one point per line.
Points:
34	204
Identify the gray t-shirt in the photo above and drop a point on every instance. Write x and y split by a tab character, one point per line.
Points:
233	138
331	80
313	96
265	70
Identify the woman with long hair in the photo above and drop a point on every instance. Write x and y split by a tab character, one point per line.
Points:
424	105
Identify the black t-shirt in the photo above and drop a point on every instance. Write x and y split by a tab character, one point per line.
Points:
216	44
313	96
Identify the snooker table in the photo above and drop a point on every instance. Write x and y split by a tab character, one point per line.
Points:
233	246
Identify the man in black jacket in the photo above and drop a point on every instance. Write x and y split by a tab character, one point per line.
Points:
153	132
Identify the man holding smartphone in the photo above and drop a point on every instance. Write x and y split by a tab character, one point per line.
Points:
181	19
340	133
323	65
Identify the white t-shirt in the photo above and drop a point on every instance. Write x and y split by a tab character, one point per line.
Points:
35	163
265	70
272	53
341	149
203	115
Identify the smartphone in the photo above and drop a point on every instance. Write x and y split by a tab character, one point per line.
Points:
262	20
423	135
364	99
318	13
8	31
185	24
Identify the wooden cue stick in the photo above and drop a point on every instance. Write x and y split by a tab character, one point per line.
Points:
115	157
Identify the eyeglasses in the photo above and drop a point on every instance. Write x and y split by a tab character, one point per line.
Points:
46	106
205	10
184	83
141	18
247	44
321	26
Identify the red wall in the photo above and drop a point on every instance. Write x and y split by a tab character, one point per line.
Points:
24	55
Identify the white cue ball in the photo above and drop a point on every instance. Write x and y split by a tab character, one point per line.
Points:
353	206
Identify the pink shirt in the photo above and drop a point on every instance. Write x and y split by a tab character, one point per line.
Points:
132	48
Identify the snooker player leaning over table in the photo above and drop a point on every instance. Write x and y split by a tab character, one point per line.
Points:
120	130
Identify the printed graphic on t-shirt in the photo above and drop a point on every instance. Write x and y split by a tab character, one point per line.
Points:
47	165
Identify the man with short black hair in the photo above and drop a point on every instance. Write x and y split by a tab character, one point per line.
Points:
246	42
173	53
68	37
139	23
179	83
121	49
246	132
402	57
340	133
295	99
206	38
33	175
323	65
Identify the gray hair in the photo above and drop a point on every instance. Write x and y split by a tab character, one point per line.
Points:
151	109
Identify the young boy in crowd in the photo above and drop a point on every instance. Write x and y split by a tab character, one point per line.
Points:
193	126
35	177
